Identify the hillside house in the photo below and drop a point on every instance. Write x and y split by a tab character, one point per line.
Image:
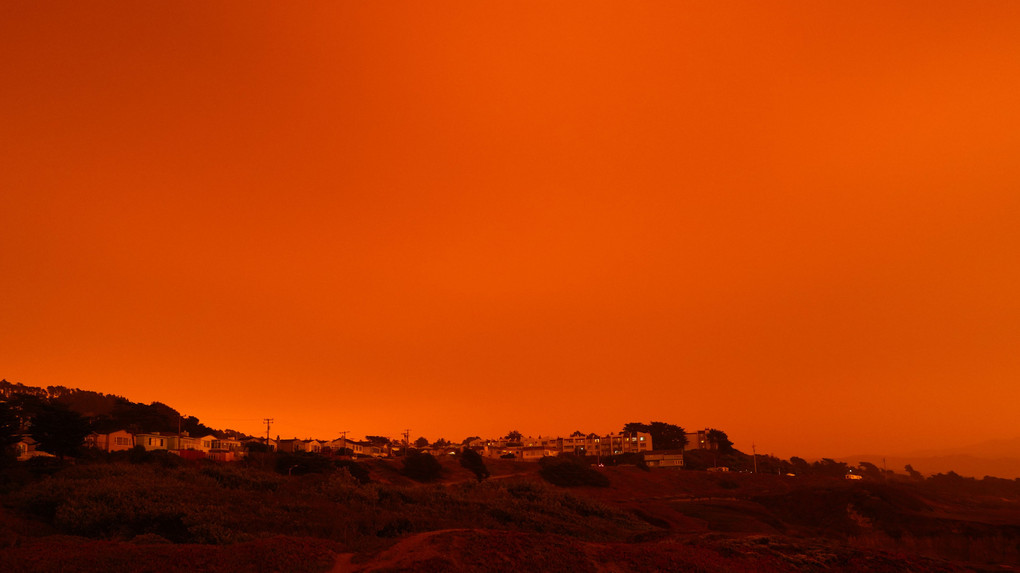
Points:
153	441
271	444
698	440
184	441
205	443
28	448
664	460
112	442
291	445
226	445
344	446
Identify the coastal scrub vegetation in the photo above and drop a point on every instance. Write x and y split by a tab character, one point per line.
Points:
215	503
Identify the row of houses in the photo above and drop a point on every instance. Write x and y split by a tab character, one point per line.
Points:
528	448
591	445
228	449
224	448
341	445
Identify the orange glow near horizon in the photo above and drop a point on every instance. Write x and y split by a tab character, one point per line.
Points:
799	223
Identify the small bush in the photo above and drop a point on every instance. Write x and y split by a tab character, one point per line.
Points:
138	455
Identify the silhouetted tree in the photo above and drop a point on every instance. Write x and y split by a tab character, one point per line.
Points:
829	467
514	437
25	406
468	440
664	436
799	466
870	470
440	443
58	430
719	441
8	432
577	434
421	443
914	474
634	427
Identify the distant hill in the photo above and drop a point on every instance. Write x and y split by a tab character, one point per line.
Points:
998	458
109	412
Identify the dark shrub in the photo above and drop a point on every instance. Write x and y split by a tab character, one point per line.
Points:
396	527
166	459
570	471
231	476
138	455
473	461
727	484
43	466
357	471
302	463
421	467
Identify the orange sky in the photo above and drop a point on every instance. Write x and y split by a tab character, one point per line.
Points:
798	222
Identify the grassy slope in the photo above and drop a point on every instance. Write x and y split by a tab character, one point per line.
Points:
646	520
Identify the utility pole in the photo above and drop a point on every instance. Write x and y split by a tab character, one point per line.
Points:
754	454
343	436
407	439
268	422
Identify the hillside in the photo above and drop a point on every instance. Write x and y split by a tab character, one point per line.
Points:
107	514
313	512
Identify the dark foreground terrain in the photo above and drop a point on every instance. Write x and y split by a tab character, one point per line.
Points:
160	514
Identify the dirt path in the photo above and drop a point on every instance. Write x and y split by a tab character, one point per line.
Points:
415	546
